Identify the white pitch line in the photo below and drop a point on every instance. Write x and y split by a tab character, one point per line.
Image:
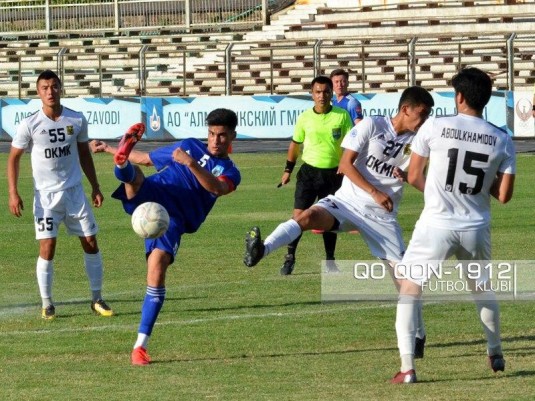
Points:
116	327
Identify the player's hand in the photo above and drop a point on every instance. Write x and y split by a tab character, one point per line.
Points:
182	157
285	179
383	199
399	174
97	146
16	206
97	197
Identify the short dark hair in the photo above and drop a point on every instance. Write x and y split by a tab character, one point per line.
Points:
415	96
225	117
48	74
322	79
339	71
475	85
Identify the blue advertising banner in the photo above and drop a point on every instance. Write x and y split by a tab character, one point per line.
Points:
107	118
259	117
386	104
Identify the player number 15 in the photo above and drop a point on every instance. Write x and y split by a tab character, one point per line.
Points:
468	168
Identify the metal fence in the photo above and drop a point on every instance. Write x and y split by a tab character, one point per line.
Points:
279	68
172	63
84	16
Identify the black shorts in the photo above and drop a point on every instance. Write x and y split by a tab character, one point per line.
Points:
315	183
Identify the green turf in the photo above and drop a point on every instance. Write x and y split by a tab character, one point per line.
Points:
229	333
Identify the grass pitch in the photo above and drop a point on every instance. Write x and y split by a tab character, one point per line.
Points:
229	333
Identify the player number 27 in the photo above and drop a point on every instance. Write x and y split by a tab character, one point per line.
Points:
478	172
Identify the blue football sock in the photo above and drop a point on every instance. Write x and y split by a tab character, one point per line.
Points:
126	173
152	304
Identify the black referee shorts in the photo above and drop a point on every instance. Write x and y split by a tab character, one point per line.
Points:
315	183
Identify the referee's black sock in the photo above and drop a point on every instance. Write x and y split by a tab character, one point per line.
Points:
292	246
329	241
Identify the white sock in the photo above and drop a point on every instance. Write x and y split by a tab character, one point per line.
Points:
142	340
45	276
420	327
489	315
406	316
282	235
94	271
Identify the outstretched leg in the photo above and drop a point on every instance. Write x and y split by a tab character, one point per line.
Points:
284	233
129	139
124	170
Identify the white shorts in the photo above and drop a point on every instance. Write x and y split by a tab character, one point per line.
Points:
431	245
71	207
383	236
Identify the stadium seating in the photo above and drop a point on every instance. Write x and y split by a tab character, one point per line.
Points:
376	45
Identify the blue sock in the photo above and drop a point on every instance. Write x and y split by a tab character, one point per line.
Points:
150	309
126	173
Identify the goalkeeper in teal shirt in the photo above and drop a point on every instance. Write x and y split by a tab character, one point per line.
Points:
319	131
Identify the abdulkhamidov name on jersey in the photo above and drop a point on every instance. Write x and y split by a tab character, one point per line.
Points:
467	136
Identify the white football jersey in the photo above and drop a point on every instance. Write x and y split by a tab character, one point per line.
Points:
380	149
54	154
465	153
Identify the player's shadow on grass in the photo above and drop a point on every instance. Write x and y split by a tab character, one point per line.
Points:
508	344
491	376
274	355
253	307
113	303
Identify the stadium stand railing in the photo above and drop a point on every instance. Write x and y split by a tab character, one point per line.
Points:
87	17
216	63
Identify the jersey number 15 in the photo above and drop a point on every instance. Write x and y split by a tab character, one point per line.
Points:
478	172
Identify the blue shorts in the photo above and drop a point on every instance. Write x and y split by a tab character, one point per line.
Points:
170	241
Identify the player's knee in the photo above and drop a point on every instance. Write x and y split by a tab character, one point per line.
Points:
89	244
307	220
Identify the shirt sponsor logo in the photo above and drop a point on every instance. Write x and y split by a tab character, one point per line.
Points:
55	153
337	133
217	171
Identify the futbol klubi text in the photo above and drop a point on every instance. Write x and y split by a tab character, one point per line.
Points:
452	276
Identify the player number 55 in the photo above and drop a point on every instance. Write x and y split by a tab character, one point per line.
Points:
45	224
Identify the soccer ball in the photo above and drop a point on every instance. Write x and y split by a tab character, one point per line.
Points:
150	220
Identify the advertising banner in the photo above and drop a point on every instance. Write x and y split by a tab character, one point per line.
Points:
259	117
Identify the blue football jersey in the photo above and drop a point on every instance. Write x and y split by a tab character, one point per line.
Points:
176	188
186	197
352	105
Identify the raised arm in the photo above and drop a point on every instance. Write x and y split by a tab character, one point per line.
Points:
136	156
216	185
